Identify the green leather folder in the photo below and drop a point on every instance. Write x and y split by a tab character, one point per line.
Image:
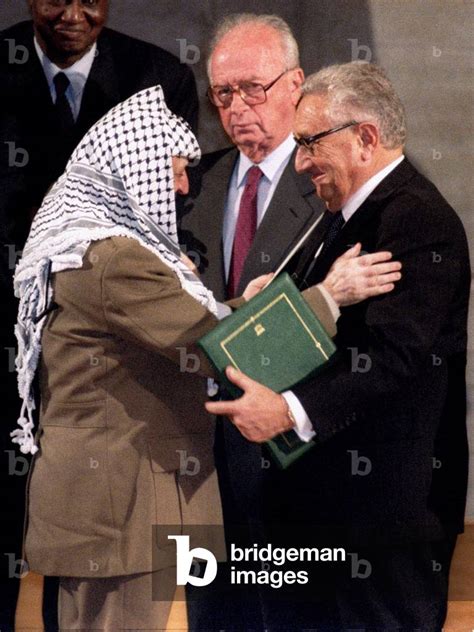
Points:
277	340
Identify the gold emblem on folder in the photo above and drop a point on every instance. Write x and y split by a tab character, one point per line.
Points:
259	330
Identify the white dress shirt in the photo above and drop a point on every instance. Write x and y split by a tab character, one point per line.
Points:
304	428
272	168
77	75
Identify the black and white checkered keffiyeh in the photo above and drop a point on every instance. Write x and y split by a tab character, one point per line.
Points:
118	182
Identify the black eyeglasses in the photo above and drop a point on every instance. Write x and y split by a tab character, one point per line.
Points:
250	92
308	142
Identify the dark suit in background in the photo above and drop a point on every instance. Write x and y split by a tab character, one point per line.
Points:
123	66
290	212
388	477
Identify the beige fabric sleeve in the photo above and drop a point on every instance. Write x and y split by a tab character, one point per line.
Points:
144	302
320	307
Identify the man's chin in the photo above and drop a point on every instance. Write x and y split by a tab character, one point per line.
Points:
326	193
70	46
254	149
246	136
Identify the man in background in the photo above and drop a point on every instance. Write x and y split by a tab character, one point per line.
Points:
60	73
248	205
247	208
387	478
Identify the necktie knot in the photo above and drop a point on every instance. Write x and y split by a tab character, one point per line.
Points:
253	176
61	83
337	222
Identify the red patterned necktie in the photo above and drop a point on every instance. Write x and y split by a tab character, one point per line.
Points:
245	229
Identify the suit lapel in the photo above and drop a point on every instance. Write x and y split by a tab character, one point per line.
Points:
292	209
311	247
210	207
376	201
32	84
102	89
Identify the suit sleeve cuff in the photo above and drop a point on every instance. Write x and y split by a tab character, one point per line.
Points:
333	306
223	310
304	428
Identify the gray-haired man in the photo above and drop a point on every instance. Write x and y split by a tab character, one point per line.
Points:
255	83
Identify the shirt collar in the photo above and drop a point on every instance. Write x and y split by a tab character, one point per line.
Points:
270	164
77	73
359	197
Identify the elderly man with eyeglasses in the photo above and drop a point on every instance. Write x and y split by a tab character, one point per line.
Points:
255	81
248	205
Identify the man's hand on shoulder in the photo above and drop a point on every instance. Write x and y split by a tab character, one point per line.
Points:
353	278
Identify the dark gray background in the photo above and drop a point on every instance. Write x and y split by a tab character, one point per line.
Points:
426	46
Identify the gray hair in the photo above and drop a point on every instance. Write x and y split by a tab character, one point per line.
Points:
275	22
361	91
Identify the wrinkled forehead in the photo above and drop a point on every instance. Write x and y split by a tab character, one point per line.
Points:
247	53
311	115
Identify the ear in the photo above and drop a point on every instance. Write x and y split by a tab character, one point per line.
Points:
302	161
369	136
296	81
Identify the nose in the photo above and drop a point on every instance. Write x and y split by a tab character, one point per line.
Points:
238	104
182	184
73	12
302	160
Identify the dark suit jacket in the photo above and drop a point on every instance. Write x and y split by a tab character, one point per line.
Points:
395	397
291	211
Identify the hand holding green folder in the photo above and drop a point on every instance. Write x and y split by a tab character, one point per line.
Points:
277	340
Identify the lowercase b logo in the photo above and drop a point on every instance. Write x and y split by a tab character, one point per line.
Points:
184	561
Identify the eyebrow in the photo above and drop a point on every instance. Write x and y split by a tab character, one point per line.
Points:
252	78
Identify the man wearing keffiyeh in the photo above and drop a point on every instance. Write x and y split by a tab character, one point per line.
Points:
119	182
106	306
